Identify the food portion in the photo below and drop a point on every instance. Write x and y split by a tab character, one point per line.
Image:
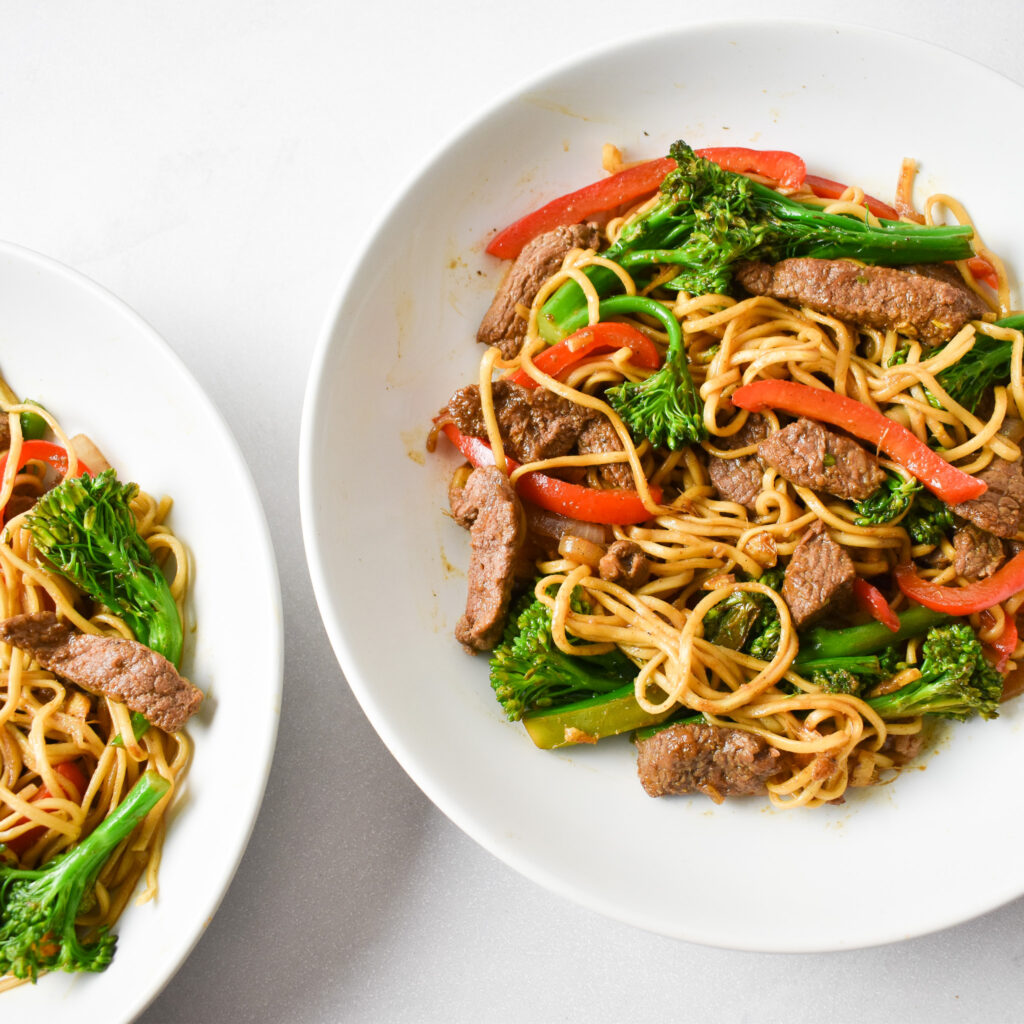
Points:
743	476
93	704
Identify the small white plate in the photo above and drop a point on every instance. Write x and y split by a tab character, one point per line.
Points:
103	371
934	848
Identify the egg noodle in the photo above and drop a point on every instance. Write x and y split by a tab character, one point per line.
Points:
698	545
47	723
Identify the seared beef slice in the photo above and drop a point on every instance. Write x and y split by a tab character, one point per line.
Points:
819	576
913	301
811	456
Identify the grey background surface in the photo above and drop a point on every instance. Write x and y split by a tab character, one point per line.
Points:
216	164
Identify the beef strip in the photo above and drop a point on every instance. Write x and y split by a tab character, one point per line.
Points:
739	479
534	423
926	304
977	553
1000	509
489	507
125	670
600	436
502	326
701	758
811	456
819	577
625	563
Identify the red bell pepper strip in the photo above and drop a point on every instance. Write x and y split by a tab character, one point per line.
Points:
982	270
825	188
787	169
871	600
70	771
590	504
634	183
975	597
587	341
942	478
606	194
1007	642
52	454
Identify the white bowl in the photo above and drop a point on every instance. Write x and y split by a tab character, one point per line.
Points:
932	849
103	371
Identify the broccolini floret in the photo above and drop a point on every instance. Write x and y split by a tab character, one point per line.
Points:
889	502
956	680
530	673
39	906
86	529
978	370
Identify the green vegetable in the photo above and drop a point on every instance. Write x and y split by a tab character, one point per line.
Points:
855	674
140	726
978	370
929	519
33	426
956	680
665	408
889	502
708	219
528	672
819	643
747	621
38	907
607	714
85	527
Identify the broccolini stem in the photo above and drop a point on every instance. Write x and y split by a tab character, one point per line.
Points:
587	720
820	643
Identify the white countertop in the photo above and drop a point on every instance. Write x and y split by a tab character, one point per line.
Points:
216	164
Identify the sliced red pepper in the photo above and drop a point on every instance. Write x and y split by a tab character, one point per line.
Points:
871	600
982	270
599	197
942	478
787	169
590	504
70	771
52	454
975	597
586	342
1007	642
825	188
634	183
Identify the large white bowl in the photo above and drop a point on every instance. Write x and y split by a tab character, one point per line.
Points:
936	847
102	370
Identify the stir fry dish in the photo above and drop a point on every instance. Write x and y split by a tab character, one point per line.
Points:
743	478
92	702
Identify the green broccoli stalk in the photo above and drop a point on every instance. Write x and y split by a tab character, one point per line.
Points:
38	907
978	370
854	674
528	672
818	644
85	527
889	502
956	680
666	407
708	219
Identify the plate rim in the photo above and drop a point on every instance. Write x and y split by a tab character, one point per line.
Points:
312	399
100	294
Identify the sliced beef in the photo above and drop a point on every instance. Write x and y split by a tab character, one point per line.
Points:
489	507
739	479
931	306
599	436
819	577
1000	509
625	563
811	456
977	553
125	670
535	424
502	326
701	758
